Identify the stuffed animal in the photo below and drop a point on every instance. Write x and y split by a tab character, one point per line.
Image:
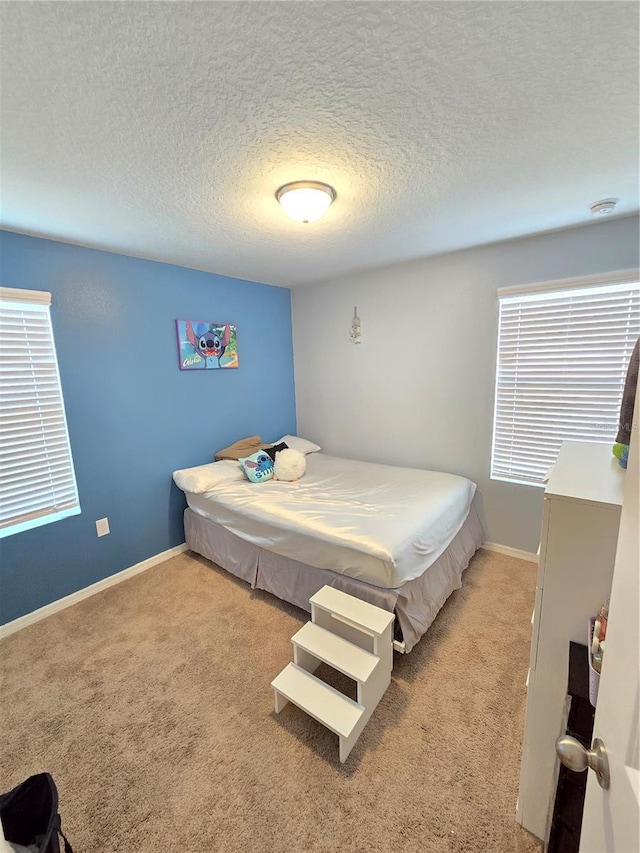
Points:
621	452
289	465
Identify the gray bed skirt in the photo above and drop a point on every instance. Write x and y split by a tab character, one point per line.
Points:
415	604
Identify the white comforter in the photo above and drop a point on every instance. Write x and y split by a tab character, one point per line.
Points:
382	524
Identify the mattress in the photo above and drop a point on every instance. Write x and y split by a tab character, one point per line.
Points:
381	524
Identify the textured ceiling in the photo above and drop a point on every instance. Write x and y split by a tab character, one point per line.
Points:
163	129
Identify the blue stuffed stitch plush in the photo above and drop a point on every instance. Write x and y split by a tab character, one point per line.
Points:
621	452
258	467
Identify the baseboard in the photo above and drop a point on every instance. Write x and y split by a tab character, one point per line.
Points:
81	594
529	556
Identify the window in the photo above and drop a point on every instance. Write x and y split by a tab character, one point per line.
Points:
563	352
37	480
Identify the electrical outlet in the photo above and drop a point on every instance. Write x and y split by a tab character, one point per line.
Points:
102	526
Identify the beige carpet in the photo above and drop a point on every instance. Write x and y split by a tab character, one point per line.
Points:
150	704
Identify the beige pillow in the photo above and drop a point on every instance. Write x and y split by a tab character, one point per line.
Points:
242	448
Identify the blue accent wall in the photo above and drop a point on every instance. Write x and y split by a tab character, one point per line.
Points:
133	416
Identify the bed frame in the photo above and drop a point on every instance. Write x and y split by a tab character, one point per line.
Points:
415	604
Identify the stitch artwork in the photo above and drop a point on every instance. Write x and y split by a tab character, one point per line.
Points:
206	345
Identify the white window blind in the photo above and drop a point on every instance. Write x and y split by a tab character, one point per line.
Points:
37	480
562	361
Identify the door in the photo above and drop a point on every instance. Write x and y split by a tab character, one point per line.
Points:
611	820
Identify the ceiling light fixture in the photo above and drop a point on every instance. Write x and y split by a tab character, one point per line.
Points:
306	201
604	206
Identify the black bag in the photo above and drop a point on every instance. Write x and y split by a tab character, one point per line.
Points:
30	814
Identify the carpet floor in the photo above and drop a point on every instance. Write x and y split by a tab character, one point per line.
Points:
150	705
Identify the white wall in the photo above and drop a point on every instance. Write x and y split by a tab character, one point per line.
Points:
419	389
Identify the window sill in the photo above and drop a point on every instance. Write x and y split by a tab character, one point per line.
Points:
40	521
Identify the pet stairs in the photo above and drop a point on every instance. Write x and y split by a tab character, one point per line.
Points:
354	638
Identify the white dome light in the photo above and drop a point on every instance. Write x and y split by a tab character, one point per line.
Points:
306	201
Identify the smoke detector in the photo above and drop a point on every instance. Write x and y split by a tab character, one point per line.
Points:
604	206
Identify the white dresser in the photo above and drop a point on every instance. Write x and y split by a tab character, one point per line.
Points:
581	516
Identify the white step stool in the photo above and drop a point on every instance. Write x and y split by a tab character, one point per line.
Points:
353	637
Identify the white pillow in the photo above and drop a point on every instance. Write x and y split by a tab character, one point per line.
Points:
205	478
297	443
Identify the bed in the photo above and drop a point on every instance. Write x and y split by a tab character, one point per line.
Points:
399	538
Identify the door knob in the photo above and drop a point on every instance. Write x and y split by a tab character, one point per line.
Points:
574	756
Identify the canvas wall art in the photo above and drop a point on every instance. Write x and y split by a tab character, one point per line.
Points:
205	345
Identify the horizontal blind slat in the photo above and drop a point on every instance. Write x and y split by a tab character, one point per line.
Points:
22	404
26	420
46	436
